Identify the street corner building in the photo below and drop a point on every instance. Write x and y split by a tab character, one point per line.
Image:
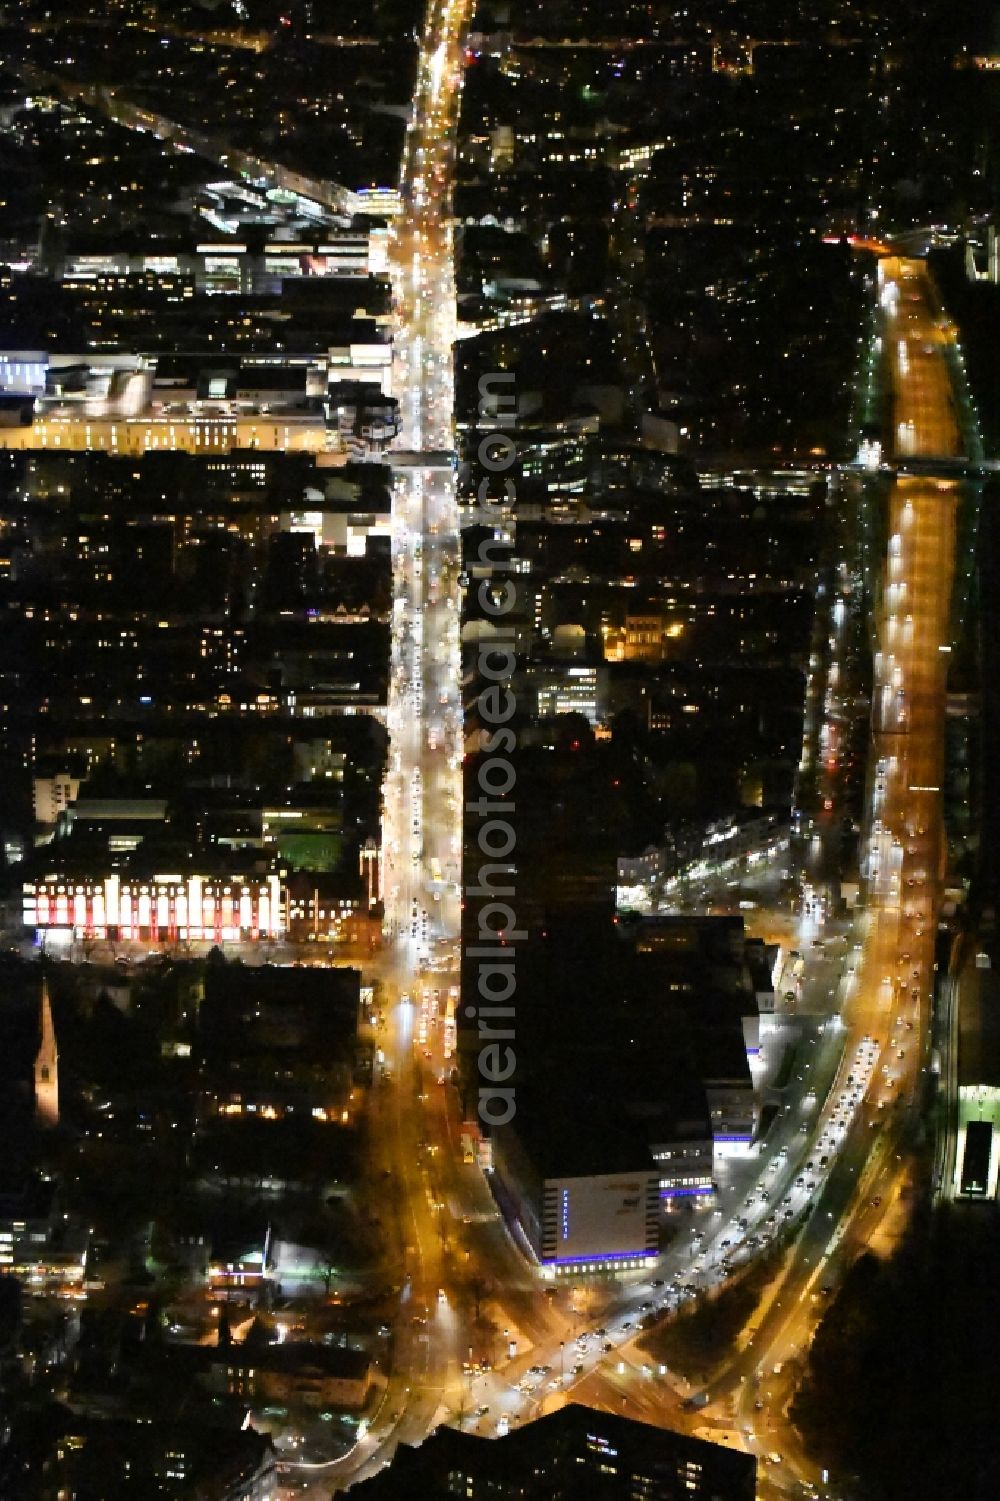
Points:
570	1455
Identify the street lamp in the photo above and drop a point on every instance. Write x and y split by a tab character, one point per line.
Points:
562	1353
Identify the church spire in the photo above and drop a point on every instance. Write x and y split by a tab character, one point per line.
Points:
46	1065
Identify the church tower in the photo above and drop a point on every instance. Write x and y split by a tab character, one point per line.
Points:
46	1066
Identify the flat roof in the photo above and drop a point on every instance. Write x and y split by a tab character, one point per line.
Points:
979	1028
568	1142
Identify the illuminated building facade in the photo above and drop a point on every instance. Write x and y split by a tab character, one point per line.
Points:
163	908
44	1247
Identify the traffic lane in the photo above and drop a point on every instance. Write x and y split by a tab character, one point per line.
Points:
477	1237
427	418
411	1178
787	1342
821	1221
880	951
811	1251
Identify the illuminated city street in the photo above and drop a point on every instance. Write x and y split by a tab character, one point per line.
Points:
423	793
500	910
855	1174
881	987
891	991
422	798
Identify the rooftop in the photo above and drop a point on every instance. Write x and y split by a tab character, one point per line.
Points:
572	1452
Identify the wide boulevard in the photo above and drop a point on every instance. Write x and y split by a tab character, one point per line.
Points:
832	1174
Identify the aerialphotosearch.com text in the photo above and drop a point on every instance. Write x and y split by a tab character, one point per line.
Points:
490	892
